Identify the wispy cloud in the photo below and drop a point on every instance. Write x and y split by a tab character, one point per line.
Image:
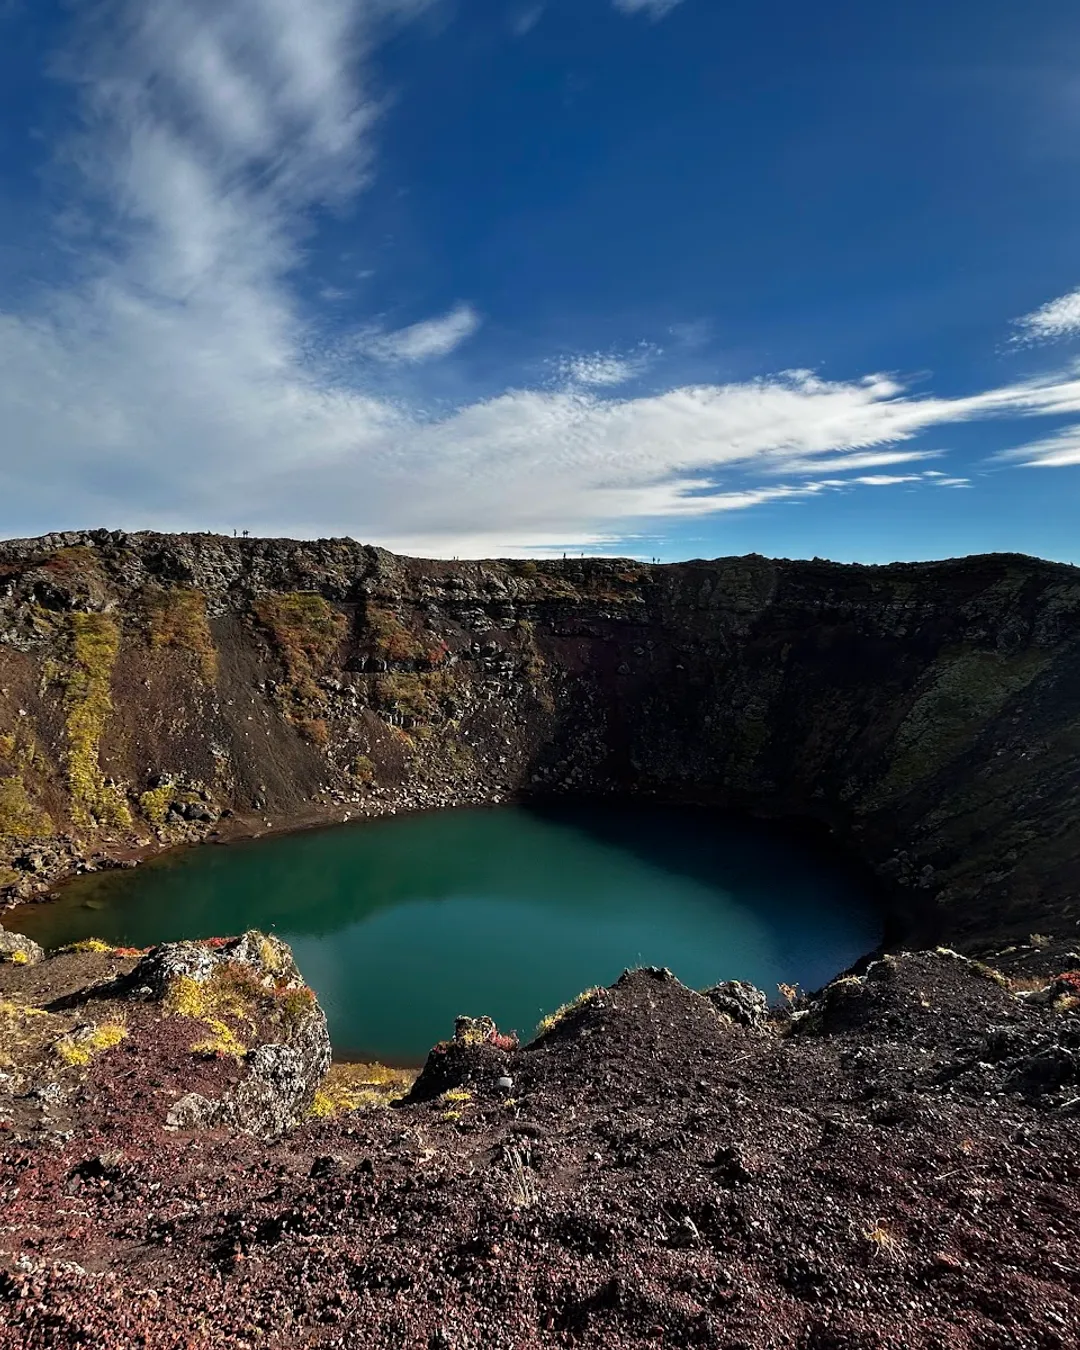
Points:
425	340
655	9
526	19
1051	452
1056	319
182	381
601	369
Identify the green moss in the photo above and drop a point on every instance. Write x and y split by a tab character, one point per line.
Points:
416	696
177	618
306	631
95	643
155	803
19	817
968	689
393	640
363	770
459	757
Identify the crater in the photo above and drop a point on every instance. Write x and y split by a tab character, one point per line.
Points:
402	924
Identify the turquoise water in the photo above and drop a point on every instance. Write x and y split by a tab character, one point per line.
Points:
401	924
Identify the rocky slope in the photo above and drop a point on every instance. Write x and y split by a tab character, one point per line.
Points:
894	1163
155	688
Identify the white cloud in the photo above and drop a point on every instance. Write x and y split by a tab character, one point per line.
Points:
655	9
600	370
1056	319
1051	452
425	340
181	384
874	459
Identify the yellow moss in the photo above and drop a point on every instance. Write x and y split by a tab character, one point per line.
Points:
19	818
989	973
177	618
89	945
186	997
224	1044
553	1019
79	1047
359	1087
155	803
271	955
18	958
12	1011
457	1095
95	643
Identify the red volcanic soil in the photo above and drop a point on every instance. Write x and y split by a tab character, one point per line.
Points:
898	1166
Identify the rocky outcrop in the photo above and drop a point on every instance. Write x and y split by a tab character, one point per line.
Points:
19	949
157	688
229	1031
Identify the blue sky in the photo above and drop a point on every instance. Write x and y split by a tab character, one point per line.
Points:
659	277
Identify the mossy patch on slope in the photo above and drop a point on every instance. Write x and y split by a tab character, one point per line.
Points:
177	618
306	632
966	691
95	644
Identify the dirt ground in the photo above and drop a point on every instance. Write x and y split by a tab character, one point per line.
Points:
896	1165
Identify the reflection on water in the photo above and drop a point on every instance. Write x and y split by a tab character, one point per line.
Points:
401	924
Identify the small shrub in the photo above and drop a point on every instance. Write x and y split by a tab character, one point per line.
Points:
94	945
313	729
363	770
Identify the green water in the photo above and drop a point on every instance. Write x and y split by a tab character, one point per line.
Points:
401	924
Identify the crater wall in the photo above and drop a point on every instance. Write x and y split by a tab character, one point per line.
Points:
160	688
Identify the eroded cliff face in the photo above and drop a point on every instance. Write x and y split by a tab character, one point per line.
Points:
929	714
